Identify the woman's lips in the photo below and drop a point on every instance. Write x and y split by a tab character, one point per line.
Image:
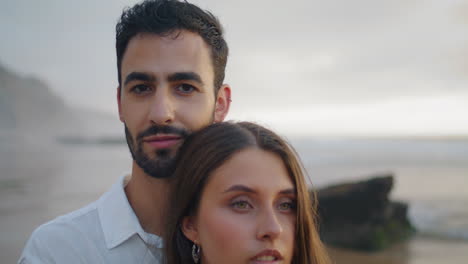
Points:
267	256
162	141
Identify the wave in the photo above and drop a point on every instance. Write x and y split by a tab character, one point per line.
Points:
443	219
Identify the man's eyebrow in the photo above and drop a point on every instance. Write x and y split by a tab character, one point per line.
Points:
185	76
139	76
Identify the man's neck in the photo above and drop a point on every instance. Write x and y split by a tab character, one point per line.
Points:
148	197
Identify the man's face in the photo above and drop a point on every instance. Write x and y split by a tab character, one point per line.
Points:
167	92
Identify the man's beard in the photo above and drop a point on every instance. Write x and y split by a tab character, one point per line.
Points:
163	164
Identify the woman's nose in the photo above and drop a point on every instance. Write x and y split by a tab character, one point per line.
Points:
269	225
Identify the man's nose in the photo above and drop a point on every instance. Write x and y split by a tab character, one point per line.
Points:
269	225
162	107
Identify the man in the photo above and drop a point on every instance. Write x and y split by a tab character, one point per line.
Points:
171	58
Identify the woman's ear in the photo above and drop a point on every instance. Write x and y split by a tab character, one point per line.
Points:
189	228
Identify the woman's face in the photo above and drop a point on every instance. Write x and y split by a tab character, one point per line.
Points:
247	212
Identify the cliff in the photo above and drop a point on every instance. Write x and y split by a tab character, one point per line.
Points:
27	105
31	111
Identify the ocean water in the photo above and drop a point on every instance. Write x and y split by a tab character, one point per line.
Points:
40	182
430	175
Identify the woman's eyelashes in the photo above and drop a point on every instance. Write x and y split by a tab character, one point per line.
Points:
287	205
284	205
241	205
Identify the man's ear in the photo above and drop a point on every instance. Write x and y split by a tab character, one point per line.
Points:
223	101
119	103
189	228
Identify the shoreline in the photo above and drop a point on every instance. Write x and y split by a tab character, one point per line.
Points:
417	250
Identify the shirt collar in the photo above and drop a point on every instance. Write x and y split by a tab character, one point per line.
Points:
118	220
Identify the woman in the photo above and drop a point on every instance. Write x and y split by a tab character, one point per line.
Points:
240	197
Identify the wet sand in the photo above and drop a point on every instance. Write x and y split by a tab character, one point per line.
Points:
418	250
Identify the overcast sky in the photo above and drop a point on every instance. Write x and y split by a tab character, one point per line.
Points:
361	67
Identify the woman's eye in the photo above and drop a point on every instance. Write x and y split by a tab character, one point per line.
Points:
241	205
287	206
185	88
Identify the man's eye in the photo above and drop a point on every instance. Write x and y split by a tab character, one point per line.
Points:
185	88
141	88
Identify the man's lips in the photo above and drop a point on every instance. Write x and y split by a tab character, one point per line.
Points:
267	256
162	141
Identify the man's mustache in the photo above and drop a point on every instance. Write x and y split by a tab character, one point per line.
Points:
157	129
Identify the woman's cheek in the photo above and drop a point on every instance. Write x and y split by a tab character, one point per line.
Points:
223	232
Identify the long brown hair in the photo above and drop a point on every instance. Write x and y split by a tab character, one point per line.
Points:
206	150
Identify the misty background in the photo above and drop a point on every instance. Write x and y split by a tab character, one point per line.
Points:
363	67
360	87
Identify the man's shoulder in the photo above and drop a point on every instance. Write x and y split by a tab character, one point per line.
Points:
84	221
70	223
69	232
87	234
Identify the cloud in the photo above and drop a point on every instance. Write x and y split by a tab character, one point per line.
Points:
332	52
294	54
414	116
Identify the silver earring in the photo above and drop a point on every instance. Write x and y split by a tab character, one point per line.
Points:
195	253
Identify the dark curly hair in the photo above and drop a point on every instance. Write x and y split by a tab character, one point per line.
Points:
165	17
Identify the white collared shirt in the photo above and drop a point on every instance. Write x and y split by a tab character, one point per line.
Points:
105	231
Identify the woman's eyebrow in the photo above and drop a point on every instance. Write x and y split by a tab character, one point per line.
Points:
239	187
243	188
288	191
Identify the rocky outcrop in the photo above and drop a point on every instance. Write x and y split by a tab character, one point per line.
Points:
360	215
